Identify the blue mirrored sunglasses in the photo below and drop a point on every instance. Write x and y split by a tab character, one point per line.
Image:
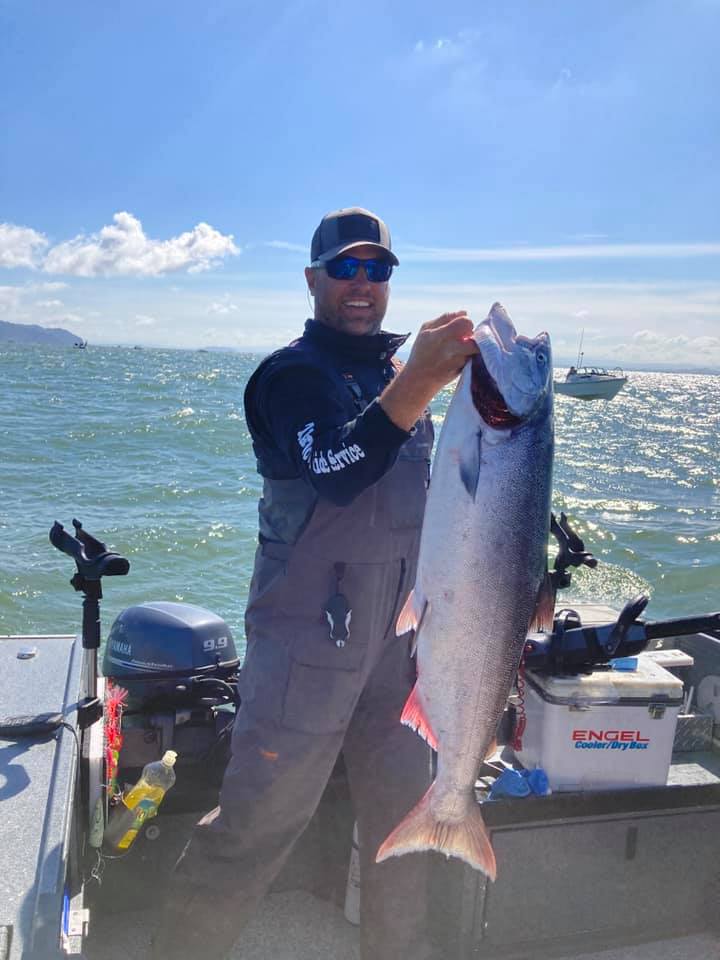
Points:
345	268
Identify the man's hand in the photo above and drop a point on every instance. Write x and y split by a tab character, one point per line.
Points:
439	353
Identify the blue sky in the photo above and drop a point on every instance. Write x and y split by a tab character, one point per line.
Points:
163	166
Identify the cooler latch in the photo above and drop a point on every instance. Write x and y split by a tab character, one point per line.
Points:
657	710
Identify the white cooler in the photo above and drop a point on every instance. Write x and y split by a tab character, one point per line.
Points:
603	730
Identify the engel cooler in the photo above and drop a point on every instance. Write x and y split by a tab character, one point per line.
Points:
601	730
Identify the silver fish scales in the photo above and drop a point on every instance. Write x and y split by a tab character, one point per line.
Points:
482	575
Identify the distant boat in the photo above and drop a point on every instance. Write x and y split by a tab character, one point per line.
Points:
80	344
590	383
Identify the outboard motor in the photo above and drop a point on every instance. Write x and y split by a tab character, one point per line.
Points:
179	665
171	654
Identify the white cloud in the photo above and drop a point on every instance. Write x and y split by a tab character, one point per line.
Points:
20	246
143	320
221	308
284	245
446	50
122	248
65	321
626	323
9	298
597	251
48	304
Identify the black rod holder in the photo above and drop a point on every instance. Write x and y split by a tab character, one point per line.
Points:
93	561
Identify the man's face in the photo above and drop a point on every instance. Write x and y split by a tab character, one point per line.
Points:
353	306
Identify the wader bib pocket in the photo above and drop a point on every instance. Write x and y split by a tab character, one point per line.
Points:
324	681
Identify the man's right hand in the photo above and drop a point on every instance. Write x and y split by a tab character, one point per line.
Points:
439	354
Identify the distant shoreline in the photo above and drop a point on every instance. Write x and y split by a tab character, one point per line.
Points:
264	351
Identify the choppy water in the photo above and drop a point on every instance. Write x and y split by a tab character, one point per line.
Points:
150	450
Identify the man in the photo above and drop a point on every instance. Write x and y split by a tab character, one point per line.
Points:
343	440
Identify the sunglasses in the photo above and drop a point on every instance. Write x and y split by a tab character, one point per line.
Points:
345	268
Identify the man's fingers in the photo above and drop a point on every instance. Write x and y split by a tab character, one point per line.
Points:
468	346
444	319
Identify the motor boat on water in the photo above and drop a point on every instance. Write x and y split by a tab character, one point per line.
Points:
590	383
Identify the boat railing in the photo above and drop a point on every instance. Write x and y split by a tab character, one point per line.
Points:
595	372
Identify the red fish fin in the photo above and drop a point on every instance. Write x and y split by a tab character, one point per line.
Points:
413	715
466	839
409	615
542	618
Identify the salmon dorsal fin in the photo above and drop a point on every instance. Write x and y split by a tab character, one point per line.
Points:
542	618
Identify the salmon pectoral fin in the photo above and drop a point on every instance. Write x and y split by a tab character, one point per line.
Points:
469	464
466	839
412	615
542	618
408	618
414	716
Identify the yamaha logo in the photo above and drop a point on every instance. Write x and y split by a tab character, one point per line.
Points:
117	646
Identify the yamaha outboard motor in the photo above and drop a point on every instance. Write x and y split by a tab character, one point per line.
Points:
176	661
171	654
179	665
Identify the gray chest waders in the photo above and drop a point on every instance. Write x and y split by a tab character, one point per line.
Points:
324	673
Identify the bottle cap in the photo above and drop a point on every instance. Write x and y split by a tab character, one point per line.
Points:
169	758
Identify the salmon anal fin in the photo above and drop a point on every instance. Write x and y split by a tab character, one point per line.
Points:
466	839
542	618
413	716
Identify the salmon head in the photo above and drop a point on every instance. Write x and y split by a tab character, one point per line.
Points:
512	375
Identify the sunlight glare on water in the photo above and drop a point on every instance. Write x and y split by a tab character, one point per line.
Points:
149	449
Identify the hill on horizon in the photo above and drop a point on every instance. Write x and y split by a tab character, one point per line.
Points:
33	333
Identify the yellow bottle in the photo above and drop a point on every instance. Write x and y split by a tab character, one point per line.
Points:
140	803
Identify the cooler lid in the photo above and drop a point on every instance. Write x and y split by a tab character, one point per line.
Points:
649	682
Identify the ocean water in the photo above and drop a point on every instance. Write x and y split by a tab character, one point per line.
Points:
149	449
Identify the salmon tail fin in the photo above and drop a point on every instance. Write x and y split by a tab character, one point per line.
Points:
467	839
414	716
542	618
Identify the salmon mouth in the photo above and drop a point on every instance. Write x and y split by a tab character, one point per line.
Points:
488	400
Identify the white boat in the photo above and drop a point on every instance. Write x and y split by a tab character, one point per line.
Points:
590	383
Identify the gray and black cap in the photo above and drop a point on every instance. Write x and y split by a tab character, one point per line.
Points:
350	227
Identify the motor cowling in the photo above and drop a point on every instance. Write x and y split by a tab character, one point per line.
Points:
160	650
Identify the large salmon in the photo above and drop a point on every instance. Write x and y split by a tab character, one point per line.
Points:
481	574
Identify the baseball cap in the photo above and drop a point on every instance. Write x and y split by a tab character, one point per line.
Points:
350	227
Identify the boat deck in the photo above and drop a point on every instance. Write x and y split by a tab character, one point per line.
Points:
298	926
